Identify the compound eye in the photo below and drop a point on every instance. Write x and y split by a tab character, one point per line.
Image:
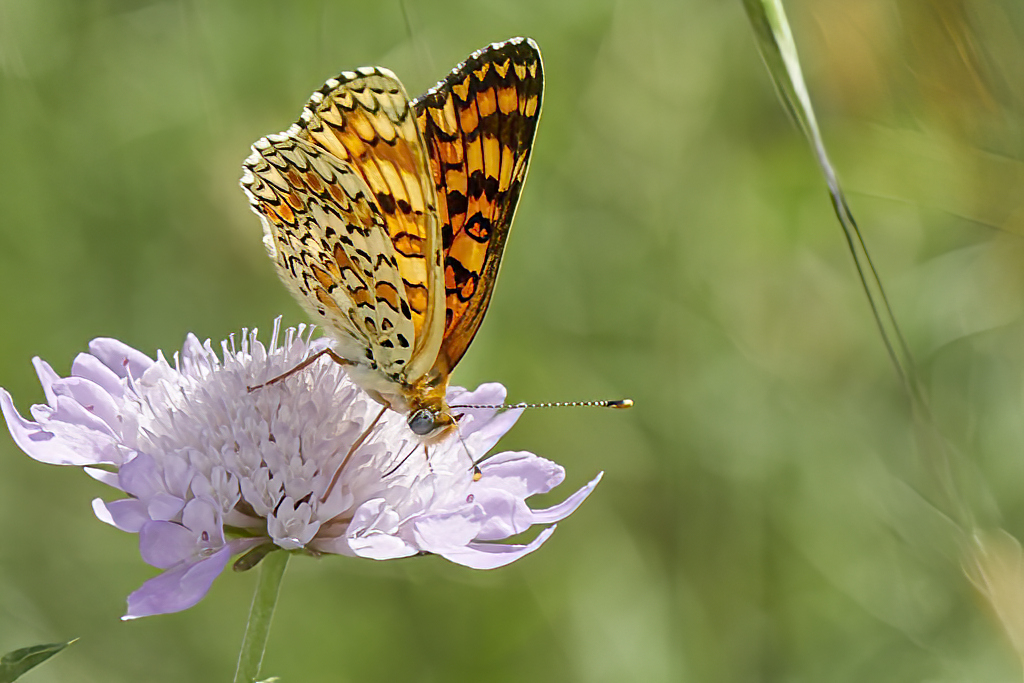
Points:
423	422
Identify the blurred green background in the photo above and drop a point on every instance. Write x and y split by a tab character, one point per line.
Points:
762	517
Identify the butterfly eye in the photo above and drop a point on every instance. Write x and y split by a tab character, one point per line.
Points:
424	422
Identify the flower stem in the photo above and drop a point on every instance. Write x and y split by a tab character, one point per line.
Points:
254	643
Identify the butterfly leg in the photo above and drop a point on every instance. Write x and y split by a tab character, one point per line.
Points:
426	454
352	449
474	465
302	366
477	474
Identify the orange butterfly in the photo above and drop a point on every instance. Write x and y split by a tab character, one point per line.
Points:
387	218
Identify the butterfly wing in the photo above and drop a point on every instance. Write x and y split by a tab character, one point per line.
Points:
332	249
347	202
478	124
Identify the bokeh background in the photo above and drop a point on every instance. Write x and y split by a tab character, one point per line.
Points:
763	516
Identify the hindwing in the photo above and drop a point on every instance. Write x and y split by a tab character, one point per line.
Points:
370	265
331	247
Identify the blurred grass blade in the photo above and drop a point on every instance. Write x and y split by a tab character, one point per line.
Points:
14	664
778	50
995	564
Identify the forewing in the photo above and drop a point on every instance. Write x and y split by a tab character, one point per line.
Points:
331	246
479	124
364	118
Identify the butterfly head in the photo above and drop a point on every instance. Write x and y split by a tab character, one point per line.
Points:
431	423
428	414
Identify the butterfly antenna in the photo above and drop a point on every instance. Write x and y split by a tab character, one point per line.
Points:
618	404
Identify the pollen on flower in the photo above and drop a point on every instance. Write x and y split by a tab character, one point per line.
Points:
209	470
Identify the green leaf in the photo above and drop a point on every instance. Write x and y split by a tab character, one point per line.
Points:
14	664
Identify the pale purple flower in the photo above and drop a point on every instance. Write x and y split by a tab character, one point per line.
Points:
212	470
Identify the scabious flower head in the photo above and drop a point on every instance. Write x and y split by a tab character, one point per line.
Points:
212	470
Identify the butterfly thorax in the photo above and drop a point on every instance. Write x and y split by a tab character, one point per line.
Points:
422	401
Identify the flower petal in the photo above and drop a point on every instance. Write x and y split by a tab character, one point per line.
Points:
122	359
68	411
103	476
504	515
557	513
93	398
373	533
487	393
184	585
59	443
127	514
141	477
494	555
482	437
47	376
377	545
166	544
91	368
521	473
290	525
438	533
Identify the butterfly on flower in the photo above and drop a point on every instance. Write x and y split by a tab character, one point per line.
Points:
387	218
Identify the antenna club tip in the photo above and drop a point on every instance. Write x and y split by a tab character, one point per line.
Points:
621	404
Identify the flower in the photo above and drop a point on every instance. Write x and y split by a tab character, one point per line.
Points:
212	470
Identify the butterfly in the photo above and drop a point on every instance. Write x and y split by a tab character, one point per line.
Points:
387	218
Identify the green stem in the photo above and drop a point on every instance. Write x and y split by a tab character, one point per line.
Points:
260	614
